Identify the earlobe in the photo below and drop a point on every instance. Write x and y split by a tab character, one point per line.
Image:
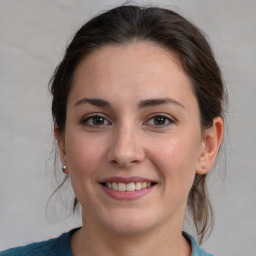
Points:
61	142
210	146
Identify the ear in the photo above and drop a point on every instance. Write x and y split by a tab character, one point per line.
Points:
61	142
211	142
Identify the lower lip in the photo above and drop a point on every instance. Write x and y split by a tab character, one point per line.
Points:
127	195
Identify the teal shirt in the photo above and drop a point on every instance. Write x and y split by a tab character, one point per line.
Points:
61	247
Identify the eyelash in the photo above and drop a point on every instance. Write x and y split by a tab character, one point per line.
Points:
91	118
164	117
86	120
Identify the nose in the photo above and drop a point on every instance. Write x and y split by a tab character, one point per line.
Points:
126	148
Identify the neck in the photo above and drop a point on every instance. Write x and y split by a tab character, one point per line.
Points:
91	240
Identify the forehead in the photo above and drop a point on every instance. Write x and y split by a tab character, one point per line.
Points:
137	69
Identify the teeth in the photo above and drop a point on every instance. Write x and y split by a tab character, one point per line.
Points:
114	186
144	184
138	186
128	187
121	186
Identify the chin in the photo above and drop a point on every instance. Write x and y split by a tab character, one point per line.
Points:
130	223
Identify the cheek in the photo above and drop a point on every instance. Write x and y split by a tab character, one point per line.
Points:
176	160
84	157
83	154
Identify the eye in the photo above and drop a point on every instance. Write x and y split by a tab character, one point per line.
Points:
160	120
95	120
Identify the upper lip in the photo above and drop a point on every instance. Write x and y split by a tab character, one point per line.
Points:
126	180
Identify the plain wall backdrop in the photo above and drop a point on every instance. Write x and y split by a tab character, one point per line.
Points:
33	37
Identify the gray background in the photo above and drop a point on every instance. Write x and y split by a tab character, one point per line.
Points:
33	36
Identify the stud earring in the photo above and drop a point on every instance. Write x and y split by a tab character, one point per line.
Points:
64	168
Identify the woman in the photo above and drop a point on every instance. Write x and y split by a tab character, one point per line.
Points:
137	108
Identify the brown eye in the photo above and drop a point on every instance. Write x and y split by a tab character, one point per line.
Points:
98	120
160	120
95	121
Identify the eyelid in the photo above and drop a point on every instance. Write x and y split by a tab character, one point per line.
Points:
167	116
91	115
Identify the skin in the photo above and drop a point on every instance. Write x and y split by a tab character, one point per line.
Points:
128	140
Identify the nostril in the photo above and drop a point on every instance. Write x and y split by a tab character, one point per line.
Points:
114	162
124	163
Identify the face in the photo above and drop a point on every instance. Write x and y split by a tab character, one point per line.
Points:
132	142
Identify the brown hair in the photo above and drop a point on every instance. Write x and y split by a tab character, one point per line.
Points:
171	31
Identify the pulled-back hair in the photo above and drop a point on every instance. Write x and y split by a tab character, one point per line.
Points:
166	28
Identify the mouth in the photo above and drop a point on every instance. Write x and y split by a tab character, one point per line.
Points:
128	187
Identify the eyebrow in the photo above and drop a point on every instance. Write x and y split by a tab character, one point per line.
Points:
94	102
142	104
160	101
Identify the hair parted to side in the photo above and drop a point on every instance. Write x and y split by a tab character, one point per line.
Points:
169	30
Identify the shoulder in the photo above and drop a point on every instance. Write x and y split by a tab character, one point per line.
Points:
53	247
40	248
196	250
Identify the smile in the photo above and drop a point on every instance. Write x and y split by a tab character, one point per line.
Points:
130	187
127	188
